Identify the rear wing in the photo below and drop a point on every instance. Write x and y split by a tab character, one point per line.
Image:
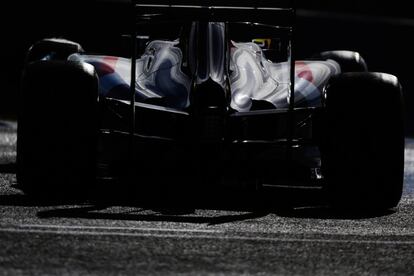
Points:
278	13
275	12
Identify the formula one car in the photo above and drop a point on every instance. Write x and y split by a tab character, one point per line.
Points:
207	98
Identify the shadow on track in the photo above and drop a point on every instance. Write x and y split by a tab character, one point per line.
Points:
246	205
183	212
8	168
173	206
187	215
171	215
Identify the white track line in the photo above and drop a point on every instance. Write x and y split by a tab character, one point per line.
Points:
179	234
113	228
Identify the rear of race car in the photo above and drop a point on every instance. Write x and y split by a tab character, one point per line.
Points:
210	93
212	96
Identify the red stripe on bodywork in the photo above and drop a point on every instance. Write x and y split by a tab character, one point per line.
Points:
108	65
303	71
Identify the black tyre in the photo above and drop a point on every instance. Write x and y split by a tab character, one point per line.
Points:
52	49
57	128
363	154
349	61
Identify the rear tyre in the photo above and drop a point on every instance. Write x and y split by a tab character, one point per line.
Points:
348	60
363	153
52	49
57	128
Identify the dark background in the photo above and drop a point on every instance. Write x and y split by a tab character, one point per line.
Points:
381	32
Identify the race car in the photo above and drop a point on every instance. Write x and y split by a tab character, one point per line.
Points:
207	99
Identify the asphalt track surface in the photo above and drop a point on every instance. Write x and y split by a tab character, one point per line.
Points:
86	238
